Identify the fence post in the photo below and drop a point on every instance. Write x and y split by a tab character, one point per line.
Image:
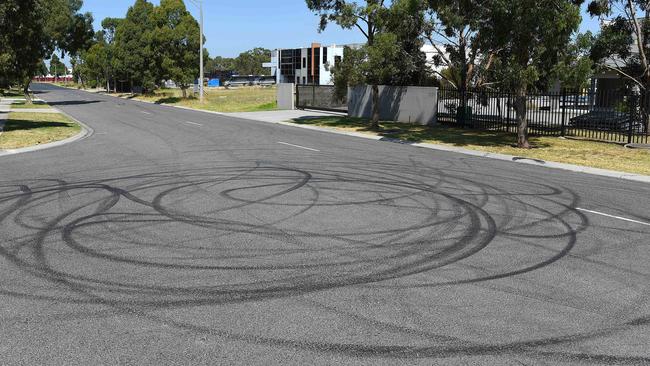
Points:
508	112
563	106
297	89
630	125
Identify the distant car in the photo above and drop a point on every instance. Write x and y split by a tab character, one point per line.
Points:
239	81
575	101
243	80
611	121
267	80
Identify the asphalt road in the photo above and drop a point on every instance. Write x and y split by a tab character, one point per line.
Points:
179	237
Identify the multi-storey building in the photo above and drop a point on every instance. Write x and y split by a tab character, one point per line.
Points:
305	65
312	65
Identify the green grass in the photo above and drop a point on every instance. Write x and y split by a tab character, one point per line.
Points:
23	105
12	93
245	99
29	129
587	153
71	85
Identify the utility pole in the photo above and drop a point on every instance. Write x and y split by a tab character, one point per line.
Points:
199	4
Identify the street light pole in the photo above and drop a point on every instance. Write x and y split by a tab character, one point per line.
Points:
199	4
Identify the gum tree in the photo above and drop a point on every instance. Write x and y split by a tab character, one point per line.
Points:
531	37
175	41
134	57
625	39
456	29
365	16
24	41
31	30
57	68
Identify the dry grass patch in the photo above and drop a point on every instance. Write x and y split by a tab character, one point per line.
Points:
29	129
244	99
587	153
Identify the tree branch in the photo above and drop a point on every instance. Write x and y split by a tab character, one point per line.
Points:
638	34
618	70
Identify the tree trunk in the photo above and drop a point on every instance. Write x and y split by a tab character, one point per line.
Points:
374	123
522	120
28	97
184	93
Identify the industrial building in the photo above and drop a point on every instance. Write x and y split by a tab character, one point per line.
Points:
312	65
305	65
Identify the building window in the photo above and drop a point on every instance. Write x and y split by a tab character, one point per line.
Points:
324	55
304	62
304	80
337	60
297	79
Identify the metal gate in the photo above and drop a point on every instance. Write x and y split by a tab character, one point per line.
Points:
320	97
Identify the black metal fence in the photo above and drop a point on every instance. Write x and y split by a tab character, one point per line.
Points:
608	115
322	97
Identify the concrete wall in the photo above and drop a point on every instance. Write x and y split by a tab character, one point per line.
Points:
285	96
409	104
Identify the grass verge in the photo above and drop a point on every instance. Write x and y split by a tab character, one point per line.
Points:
29	129
587	153
12	93
245	99
35	105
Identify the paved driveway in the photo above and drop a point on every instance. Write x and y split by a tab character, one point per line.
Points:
282	115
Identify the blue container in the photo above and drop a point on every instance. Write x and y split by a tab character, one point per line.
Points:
214	83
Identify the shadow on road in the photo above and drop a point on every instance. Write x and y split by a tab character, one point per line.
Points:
74	102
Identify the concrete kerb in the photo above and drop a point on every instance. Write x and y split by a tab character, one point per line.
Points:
447	148
503	157
86	131
3	118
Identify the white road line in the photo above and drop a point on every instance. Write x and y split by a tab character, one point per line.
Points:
194	123
145	112
613	216
298	146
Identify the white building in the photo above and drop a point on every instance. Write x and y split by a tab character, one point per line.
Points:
305	65
312	65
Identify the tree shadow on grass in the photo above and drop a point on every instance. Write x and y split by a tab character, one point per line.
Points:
11	94
169	100
22	102
27	125
414	133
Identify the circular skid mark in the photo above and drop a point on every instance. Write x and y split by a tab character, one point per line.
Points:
228	234
295	243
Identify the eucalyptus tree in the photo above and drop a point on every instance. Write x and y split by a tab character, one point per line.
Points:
250	62
30	30
623	45
23	40
459	32
134	56
530	37
94	64
57	67
176	37
368	18
575	69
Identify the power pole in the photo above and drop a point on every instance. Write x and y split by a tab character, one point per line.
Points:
199	4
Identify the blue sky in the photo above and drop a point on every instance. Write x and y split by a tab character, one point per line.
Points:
232	27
